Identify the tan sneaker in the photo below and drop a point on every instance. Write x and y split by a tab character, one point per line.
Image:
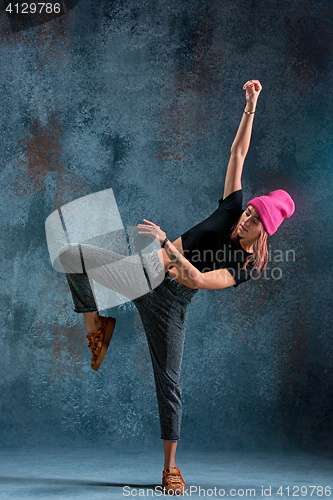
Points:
173	481
99	341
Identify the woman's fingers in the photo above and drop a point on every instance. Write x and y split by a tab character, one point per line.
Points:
257	85
149	222
249	83
147	228
253	83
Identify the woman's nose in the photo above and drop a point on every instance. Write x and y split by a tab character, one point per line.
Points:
247	222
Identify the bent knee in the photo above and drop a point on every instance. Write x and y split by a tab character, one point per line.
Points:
70	258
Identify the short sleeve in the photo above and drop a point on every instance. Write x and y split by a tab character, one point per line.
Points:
240	274
233	201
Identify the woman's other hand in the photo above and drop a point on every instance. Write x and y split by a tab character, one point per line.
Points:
253	89
152	230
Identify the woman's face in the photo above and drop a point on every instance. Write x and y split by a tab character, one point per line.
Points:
250	225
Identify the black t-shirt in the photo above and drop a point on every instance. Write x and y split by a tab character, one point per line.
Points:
208	245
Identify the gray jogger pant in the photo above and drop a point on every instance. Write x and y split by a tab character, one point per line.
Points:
163	311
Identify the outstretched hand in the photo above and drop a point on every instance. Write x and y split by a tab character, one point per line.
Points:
152	230
253	89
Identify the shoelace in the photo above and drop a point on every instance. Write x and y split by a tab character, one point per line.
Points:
173	478
96	340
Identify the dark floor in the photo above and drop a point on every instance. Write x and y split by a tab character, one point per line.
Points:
102	474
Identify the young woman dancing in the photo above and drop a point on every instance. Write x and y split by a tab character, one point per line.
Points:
226	249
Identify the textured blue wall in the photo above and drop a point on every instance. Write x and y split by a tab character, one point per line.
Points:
146	97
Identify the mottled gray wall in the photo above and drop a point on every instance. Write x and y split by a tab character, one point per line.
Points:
146	97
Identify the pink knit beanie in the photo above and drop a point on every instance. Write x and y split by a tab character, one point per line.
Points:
273	208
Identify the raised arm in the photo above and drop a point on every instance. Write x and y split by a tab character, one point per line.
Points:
241	142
